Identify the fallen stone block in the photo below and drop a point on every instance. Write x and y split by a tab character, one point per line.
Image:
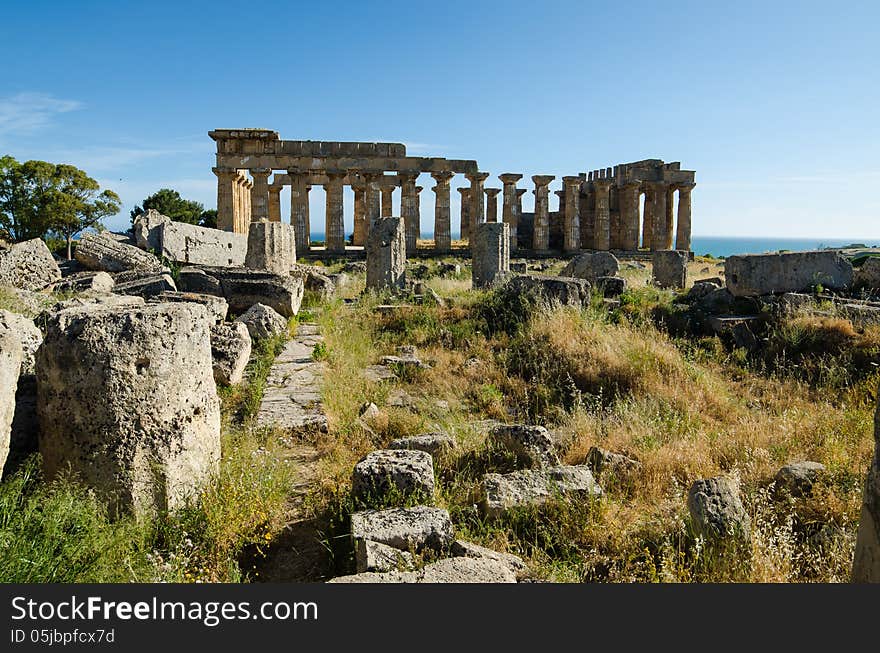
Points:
436	444
28	265
375	556
402	473
99	282
591	266
127	401
408	529
149	286
100	252
217	306
450	570
243	288
669	268
867	275
611	287
193	279
463	549
750	275
230	352
563	290
501	492
29	337
263	322
798	478
716	510
10	368
490	251
386	254
532	445
270	247
188	243
315	281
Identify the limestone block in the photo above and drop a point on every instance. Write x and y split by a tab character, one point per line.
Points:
355	267
263	322
501	492
188	243
146	232
242	288
375	556
611	286
866	560
463	549
127	400
436	444
702	288
28	265
270	247
29	336
717	511
386	254
10	367
563	290
81	301
196	280
403	472
99	282
100	252
532	445
230	352
490	247
217	306
798	478
417	528
749	275
147	286
315	281
449	570
591	266
670	268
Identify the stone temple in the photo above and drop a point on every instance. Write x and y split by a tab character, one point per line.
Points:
600	210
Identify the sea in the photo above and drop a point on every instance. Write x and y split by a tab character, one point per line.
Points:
722	246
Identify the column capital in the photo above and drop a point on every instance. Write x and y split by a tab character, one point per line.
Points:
509	177
293	172
407	177
543	180
477	176
571	180
492	192
687	188
224	171
463	190
602	184
443	177
521	191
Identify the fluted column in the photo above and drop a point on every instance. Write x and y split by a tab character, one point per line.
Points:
508	204
541	235
669	229
491	204
408	199
616	238
602	226
260	194
417	212
465	213
658	205
648	219
629	216
683	230
360	215
225	197
442	218
335	219
274	203
571	225
299	209
371	200
514	229
387	201
477	180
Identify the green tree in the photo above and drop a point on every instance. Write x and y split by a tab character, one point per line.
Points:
26	195
209	218
169	202
77	203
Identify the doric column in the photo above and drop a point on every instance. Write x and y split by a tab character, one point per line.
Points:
617	237
225	197
299	208
417	212
477	180
571	225
629	216
658	205
408	212
648	219
669	229
371	199
260	194
491	204
602	225
335	225
683	230
541	235
360	215
508	204
442	218
275	203
465	213
386	201
514	229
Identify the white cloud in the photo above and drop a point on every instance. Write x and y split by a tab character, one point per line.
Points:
110	158
28	112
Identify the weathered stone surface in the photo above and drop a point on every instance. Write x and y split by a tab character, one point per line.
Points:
449	570
501	492
798	478
10	367
355	267
217	306
145	230
490	251
149	286
386	254
29	336
375	556
608	463
703	287
192	279
127	400
28	265
418	528
379	373
401	472
263	322
611	286
564	290
24	438
763	274
243	288
867	275
866	560
436	444
188	243
591	266
99	282
670	268
270	247
716	301
230	351
100	252
717	511
463	549
315	281
81	301
532	445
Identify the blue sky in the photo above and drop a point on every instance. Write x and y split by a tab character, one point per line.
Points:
774	104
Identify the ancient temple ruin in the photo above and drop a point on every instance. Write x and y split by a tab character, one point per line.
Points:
600	210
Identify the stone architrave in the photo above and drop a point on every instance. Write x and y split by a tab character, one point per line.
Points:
152	442
271	247
260	193
571	230
491	204
602	225
478	215
442	217
299	209
491	253
386	254
541	236
683	229
465	213
334	226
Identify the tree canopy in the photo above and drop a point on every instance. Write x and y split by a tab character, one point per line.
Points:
169	202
